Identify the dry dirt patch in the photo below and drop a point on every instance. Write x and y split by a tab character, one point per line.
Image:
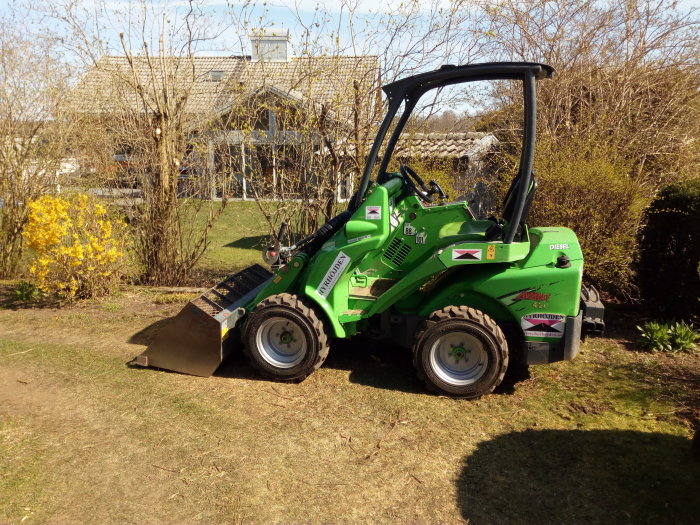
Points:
83	438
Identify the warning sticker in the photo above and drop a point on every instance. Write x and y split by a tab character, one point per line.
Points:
544	325
491	252
373	212
466	255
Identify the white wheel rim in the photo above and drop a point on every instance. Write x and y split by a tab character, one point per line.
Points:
458	358
281	342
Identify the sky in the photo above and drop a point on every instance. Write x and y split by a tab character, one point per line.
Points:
290	14
279	13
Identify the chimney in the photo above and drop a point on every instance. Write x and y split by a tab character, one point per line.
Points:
270	45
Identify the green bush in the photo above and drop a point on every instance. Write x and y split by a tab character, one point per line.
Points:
662	337
587	187
26	292
655	336
682	337
668	269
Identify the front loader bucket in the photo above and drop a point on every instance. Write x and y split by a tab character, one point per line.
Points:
192	342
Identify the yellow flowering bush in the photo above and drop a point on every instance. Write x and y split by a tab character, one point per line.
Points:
78	248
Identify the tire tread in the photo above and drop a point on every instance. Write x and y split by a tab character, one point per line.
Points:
470	314
309	312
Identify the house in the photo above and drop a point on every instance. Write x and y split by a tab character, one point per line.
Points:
250	120
269	125
462	155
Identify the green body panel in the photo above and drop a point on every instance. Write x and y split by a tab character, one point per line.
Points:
508	292
395	252
472	230
549	243
483	253
285	278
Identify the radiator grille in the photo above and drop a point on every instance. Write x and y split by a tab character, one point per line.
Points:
397	251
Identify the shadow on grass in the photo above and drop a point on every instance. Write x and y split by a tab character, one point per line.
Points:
146	335
237	366
10	300
370	362
621	321
388	366
374	363
254	242
600	476
675	379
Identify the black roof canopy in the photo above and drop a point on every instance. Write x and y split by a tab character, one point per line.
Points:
410	89
448	74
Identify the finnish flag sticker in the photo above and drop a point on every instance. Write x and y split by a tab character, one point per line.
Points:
466	255
373	213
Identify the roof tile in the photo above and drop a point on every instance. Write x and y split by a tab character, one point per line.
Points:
109	85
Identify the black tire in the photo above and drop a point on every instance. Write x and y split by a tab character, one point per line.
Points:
285	339
461	333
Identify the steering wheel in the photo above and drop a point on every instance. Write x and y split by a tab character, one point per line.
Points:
435	188
411	178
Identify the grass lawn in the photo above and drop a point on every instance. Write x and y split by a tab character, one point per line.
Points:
236	240
84	438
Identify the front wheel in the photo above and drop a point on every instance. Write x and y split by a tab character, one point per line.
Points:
285	339
460	352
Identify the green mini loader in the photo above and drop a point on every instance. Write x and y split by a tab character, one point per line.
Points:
468	295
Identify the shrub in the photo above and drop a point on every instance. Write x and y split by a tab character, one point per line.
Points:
25	292
588	188
662	337
682	337
669	256
79	250
655	336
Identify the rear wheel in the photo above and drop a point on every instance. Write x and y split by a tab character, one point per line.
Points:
285	339
460	352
